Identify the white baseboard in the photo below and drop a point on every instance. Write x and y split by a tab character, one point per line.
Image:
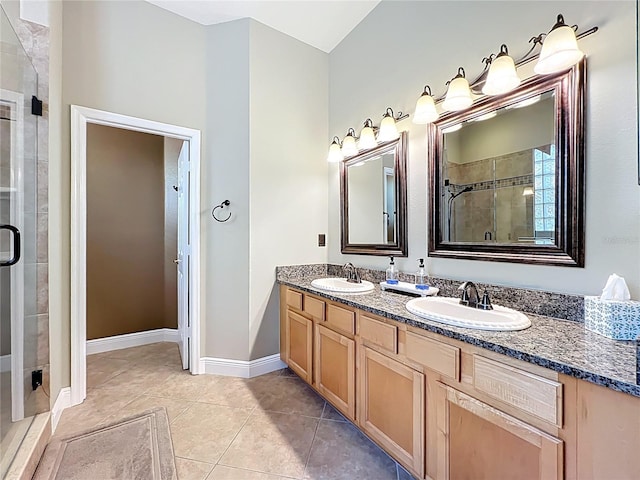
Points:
128	340
5	363
63	401
241	368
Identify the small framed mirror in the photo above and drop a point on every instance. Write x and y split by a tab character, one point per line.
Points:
373	200
507	176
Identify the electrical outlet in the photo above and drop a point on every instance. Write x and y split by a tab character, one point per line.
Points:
36	379
322	240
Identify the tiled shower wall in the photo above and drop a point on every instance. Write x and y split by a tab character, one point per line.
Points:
496	209
35	39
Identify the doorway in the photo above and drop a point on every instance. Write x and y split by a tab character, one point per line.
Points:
188	233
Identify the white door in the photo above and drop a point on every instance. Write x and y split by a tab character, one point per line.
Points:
184	247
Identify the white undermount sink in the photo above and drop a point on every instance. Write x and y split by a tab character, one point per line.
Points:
341	285
448	310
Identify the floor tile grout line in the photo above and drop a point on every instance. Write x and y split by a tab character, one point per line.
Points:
212	465
313	441
236	435
257	471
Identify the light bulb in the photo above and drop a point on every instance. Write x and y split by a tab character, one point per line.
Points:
425	108
349	148
335	153
388	130
367	136
559	49
502	76
458	94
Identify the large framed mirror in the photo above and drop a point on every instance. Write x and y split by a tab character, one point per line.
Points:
507	175
373	200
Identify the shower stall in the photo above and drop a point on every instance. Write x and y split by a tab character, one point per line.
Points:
19	370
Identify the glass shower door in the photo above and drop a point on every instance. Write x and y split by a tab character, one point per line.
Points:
18	232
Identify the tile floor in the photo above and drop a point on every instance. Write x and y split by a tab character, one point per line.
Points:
223	428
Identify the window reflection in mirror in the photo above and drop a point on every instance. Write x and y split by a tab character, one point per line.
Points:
508	185
499	176
372	203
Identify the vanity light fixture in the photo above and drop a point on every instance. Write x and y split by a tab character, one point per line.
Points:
388	129
349	148
527	192
335	151
502	76
559	49
351	145
425	108
458	94
367	136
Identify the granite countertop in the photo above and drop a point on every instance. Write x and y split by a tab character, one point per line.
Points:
561	345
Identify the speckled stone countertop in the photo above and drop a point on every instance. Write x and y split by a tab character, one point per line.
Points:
561	345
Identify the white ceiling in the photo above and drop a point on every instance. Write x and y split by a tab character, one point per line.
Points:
320	23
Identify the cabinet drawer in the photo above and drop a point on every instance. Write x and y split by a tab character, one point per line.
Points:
314	307
437	356
530	393
341	318
294	299
378	333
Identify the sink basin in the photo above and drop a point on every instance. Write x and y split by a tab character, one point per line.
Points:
448	310
340	285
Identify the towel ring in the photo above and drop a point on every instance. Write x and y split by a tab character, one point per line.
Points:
226	203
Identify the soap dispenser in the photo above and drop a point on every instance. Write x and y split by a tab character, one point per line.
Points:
421	277
392	273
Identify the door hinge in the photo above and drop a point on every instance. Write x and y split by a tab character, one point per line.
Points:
36	106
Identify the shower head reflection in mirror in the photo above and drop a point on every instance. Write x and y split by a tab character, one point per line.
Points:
522	155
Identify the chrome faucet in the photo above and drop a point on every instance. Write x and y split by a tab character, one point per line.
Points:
351	273
471	298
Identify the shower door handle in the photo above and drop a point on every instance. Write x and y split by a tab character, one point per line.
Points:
16	246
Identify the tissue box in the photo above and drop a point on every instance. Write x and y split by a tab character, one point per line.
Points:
615	319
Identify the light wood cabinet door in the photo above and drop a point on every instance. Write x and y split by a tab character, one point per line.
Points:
391	407
335	369
478	442
298	345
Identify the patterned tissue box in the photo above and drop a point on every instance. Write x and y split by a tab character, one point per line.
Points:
612	318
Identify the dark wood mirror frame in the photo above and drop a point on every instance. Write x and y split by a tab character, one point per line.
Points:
568	250
400	247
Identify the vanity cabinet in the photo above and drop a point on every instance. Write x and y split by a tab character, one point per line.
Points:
317	343
297	315
391	407
335	369
478	441
448	410
299	345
